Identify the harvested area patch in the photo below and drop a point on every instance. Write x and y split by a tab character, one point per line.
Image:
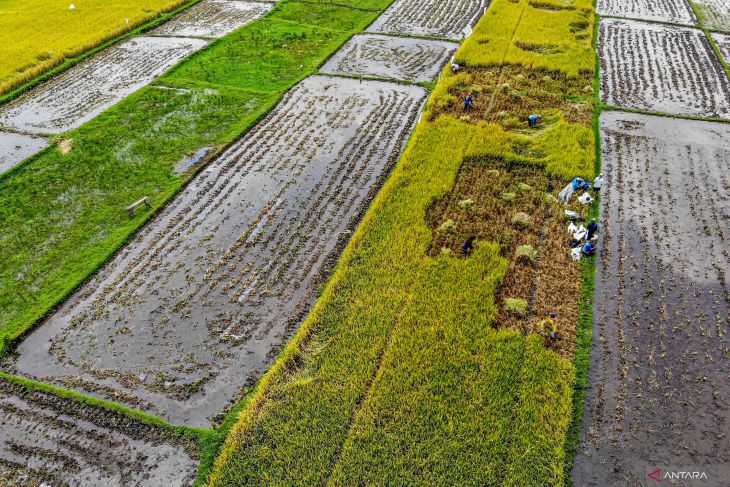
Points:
84	91
452	19
723	43
213	18
677	11
61	442
661	68
16	147
400	58
657	385
203	298
715	13
511	204
508	94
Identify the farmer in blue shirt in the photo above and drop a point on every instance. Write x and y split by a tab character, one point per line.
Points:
468	101
588	249
468	246
532	120
578	183
592	229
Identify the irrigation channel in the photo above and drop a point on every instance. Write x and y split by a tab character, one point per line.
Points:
657	390
199	303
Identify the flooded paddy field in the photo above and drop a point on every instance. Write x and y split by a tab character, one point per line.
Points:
400	58
79	94
723	43
677	11
46	440
452	19
16	147
715	13
198	304
657	391
213	18
661	68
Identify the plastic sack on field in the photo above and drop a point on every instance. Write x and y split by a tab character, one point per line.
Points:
572	228
566	193
585	198
575	253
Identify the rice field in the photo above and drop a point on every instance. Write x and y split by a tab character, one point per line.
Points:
723	44
715	14
200	302
452	19
16	147
87	89
661	68
213	18
657	381
36	35
675	11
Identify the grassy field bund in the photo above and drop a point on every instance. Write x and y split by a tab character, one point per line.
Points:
37	35
62	213
404	372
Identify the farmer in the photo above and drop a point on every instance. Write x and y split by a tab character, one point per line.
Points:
550	325
532	120
468	246
588	249
468	101
455	68
578	183
592	229
598	183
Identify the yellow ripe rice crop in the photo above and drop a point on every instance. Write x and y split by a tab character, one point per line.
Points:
36	35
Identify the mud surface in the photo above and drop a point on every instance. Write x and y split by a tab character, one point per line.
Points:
62	442
14	148
201	301
399	58
213	18
658	389
723	43
661	68
715	13
677	11
79	94
452	19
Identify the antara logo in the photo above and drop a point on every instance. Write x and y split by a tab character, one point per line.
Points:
658	476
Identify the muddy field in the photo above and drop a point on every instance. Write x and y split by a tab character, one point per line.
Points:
84	91
658	387
723	43
391	57
716	13
201	301
661	68
451	19
677	11
213	18
50	441
16	147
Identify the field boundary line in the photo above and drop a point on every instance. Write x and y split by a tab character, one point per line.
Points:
650	21
616	108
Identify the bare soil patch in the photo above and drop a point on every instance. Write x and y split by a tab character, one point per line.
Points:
213	18
79	94
197	306
400	58
61	442
723	43
657	386
677	11
661	68
715	13
452	19
14	148
486	198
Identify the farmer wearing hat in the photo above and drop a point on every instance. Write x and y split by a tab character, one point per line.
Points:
550	325
598	183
